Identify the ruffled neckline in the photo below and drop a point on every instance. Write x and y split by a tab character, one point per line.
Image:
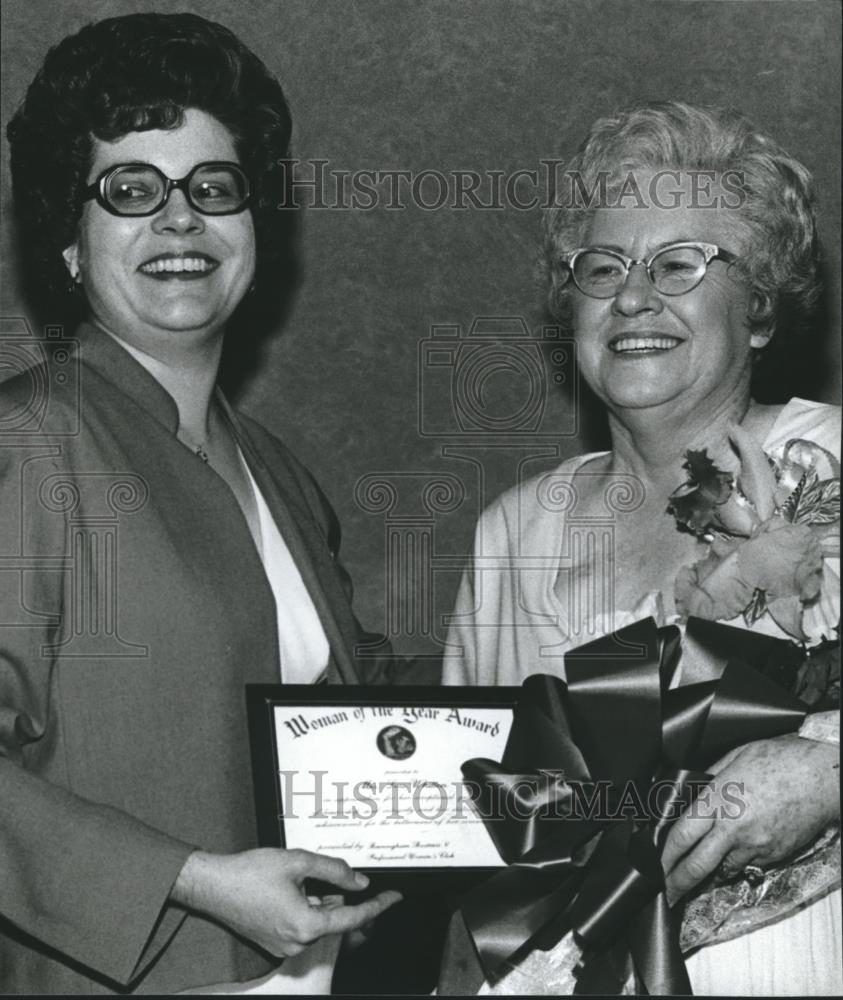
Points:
651	603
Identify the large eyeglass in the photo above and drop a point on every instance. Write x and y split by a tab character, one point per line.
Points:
215	188
673	270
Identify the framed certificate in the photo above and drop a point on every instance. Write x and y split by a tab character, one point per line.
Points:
372	775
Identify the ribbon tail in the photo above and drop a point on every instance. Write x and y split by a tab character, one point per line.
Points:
653	941
504	915
461	973
604	972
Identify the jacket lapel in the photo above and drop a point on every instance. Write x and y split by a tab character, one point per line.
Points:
277	482
307	546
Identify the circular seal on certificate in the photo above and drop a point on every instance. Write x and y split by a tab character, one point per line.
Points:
396	742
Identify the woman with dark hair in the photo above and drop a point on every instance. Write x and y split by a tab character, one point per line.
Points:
681	242
170	550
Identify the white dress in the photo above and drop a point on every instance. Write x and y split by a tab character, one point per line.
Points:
510	621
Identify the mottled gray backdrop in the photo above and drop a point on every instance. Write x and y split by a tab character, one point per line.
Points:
348	380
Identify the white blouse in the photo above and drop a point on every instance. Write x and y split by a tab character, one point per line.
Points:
302	643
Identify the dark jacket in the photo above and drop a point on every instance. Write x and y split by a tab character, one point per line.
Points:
133	610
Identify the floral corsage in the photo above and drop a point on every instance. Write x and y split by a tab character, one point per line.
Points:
772	529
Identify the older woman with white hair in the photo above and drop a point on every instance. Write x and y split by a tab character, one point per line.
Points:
684	242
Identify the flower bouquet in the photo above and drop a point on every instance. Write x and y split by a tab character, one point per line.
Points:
772	529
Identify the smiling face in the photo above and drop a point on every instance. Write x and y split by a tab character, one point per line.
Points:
645	349
172	279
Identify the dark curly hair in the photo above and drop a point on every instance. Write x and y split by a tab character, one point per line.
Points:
127	74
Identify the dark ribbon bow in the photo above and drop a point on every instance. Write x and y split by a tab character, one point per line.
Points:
584	853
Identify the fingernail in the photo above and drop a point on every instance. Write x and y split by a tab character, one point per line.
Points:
361	879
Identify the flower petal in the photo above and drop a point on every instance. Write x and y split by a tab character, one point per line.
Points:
783	560
811	456
821	617
757	481
786	612
735	517
712	588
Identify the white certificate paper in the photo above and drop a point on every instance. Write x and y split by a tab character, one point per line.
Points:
380	785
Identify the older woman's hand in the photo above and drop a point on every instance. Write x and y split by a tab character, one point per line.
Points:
788	790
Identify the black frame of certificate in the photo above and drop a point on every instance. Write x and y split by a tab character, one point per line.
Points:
261	700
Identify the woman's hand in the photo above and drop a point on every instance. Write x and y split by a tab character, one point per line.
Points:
766	801
260	895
